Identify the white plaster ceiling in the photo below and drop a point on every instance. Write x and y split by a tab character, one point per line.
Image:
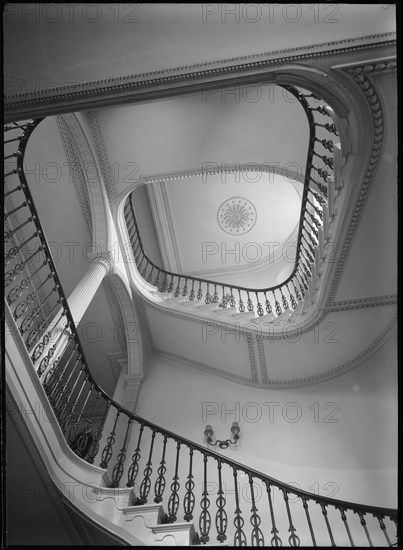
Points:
203	241
55	44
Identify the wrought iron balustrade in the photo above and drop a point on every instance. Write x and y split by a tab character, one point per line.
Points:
273	300
228	501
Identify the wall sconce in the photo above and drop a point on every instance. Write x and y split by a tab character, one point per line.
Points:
235	429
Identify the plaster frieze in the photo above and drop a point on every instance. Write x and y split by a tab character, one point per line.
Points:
267	383
86	95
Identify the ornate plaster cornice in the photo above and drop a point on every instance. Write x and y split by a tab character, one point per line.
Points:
252	359
378	342
189	362
262	360
359	303
85	95
360	76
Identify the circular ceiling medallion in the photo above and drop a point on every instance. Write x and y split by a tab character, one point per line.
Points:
236	216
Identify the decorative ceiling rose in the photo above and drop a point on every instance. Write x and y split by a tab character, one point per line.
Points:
236	216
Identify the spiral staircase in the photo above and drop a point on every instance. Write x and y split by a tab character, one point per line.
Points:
139	483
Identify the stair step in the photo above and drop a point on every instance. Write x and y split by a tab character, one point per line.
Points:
190	303
225	311
265	319
208	307
244	315
175	534
153	514
284	316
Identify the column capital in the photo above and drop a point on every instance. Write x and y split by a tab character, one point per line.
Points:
133	380
103	258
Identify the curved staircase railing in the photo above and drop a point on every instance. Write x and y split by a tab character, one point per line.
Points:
319	170
190	479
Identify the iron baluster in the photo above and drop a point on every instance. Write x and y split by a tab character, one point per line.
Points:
173	502
150	275
74	428
308	518
160	483
61	412
241	305
108	449
163	286
51	386
277	305
345	522
199	292
383	527
185	289
73	408
189	500
208	297
275	540
324	512
22	205
284	300
293	539
317	211
292	299
326	143
94	448
146	482
249	302
16	292
297	294
46	360
117	471
84	436
232	302
205	517
215	295
171	285
156	280
13	251
192	292
224	300
239	537
267	303
134	466
257	535
364	525
221	520
178	289
259	307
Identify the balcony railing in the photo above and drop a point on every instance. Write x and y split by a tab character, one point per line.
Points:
227	500
273	300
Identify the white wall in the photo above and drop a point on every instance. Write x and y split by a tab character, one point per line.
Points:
347	440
